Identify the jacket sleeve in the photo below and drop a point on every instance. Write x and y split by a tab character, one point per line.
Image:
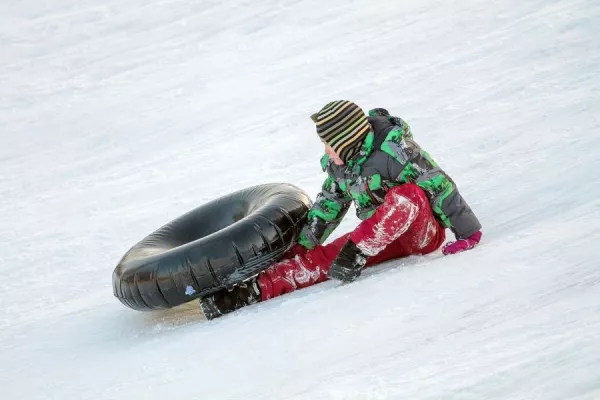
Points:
410	164
327	212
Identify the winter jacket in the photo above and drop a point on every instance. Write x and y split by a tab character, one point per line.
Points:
389	157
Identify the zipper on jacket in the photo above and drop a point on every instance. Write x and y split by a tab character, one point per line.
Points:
371	195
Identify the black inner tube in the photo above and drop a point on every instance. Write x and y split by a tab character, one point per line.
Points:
214	246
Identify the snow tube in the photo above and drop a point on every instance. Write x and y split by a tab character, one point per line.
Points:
214	246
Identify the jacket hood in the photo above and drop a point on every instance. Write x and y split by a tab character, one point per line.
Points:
381	126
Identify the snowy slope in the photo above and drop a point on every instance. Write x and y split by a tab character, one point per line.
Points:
117	117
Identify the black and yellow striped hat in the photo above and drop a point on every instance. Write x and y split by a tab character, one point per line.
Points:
343	126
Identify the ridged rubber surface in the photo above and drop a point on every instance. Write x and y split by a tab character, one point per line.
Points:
214	246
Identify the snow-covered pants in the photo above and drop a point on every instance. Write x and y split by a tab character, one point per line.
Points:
402	225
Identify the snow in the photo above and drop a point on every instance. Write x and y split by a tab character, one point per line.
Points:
117	117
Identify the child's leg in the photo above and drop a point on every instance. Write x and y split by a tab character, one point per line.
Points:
300	271
401	226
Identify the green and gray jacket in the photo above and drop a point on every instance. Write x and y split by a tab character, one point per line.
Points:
389	157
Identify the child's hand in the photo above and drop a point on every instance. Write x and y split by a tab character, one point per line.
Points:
462	244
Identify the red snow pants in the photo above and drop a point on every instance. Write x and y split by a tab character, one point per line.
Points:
402	225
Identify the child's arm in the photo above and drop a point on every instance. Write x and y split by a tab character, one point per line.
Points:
411	164
327	212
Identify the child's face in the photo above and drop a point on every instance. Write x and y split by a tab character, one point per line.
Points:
333	155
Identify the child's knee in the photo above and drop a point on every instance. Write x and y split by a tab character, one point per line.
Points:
410	191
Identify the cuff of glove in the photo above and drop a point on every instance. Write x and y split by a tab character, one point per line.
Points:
462	244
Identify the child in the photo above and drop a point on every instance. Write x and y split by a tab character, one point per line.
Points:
405	202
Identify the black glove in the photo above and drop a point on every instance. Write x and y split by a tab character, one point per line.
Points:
348	264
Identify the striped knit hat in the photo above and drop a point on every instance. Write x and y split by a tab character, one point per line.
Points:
343	126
